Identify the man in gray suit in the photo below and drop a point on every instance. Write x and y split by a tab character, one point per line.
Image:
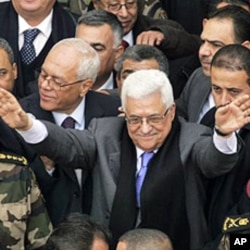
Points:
116	147
230	25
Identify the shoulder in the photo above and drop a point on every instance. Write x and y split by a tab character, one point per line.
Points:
192	132
103	97
197	78
31	103
11	158
60	12
105	103
108	126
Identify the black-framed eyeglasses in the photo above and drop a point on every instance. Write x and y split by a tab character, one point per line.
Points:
56	83
116	6
152	120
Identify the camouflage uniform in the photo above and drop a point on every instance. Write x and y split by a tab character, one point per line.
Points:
24	223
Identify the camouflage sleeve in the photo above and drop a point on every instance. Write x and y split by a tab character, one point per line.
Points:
24	223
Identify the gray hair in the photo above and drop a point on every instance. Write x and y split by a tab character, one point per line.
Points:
90	62
144	83
146	239
101	17
6	47
139	53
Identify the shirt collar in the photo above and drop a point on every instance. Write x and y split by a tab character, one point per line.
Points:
45	26
129	38
78	115
109	84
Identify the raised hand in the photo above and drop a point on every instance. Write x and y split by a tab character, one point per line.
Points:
233	116
12	113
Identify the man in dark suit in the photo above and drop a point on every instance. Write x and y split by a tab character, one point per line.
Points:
230	74
53	23
65	82
230	25
116	148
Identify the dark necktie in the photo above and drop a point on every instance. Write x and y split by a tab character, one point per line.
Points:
28	52
69	122
124	44
145	158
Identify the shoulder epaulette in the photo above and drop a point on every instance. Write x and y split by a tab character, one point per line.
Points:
237	223
13	158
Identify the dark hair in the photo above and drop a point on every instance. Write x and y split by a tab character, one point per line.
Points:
146	239
6	47
77	232
139	53
213	6
240	18
101	17
233	57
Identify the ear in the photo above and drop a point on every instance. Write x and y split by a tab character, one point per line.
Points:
86	86
172	111
96	4
14	69
246	44
204	21
119	51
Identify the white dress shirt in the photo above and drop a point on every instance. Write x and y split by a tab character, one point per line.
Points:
45	28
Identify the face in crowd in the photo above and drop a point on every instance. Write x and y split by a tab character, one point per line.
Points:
125	10
8	71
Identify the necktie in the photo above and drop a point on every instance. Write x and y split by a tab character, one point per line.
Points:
69	122
124	44
28	52
145	158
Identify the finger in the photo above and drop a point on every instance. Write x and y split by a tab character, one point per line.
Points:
241	100
139	39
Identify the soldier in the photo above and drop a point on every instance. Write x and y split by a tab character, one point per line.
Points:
24	223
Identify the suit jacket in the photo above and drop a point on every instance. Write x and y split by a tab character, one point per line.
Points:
63	26
194	96
62	191
100	147
227	192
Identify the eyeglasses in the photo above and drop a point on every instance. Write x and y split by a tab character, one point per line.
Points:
152	120
56	83
117	6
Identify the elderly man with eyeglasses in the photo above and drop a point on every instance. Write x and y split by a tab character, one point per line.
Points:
183	158
65	98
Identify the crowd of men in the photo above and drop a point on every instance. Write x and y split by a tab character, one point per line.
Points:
120	128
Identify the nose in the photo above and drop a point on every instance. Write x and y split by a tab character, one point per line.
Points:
145	127
225	99
46	83
123	12
205	50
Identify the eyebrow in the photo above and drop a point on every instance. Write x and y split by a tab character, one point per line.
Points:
129	71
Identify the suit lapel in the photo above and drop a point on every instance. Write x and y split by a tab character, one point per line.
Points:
92	108
201	94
